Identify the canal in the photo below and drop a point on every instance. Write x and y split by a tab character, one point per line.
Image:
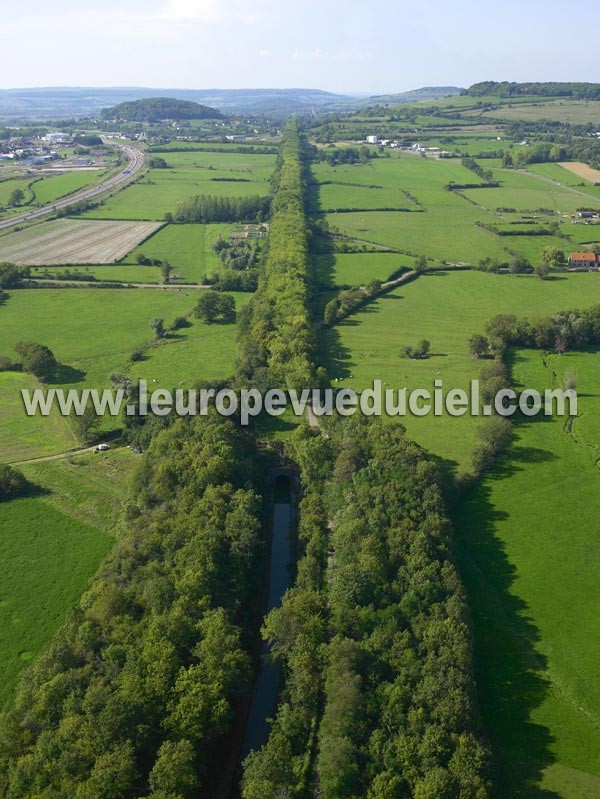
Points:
262	706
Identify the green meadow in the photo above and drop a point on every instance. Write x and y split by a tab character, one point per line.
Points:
405	171
443	224
445	308
357	269
200	353
442	233
530	556
335	196
6	189
51	543
574	111
123	273
559	174
92	334
51	187
190	173
188	248
23	436
529	192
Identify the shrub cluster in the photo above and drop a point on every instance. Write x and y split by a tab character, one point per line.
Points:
12	482
562	331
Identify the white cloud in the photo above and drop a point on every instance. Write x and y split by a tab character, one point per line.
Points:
264	53
204	10
311	54
209	11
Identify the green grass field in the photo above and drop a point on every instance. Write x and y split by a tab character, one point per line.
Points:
443	233
123	273
574	111
92	333
22	436
160	190
200	353
51	544
356	269
445	308
54	186
529	192
530	556
406	171
6	189
188	248
559	174
446	230
47	560
337	196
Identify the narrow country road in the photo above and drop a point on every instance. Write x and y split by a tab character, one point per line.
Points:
136	162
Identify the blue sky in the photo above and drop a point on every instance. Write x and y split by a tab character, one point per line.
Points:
370	47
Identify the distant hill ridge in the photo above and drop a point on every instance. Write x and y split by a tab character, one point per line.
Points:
155	109
63	102
574	90
412	96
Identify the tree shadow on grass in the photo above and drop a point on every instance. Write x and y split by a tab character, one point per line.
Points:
508	666
62	374
335	356
325	270
34	491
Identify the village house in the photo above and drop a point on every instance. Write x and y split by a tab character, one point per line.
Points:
584	260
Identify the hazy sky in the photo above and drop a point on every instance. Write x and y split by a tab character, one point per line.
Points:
372	47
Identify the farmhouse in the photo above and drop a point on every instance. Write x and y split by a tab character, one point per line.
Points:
372	139
584	260
587	214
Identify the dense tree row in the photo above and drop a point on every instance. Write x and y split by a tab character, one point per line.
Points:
485	174
133	697
563	331
399	715
251	149
380	641
345	155
347	302
206	208
277	341
575	90
539	153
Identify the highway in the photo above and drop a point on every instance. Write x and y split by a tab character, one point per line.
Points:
136	162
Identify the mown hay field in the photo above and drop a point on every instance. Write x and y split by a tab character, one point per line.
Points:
74	241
